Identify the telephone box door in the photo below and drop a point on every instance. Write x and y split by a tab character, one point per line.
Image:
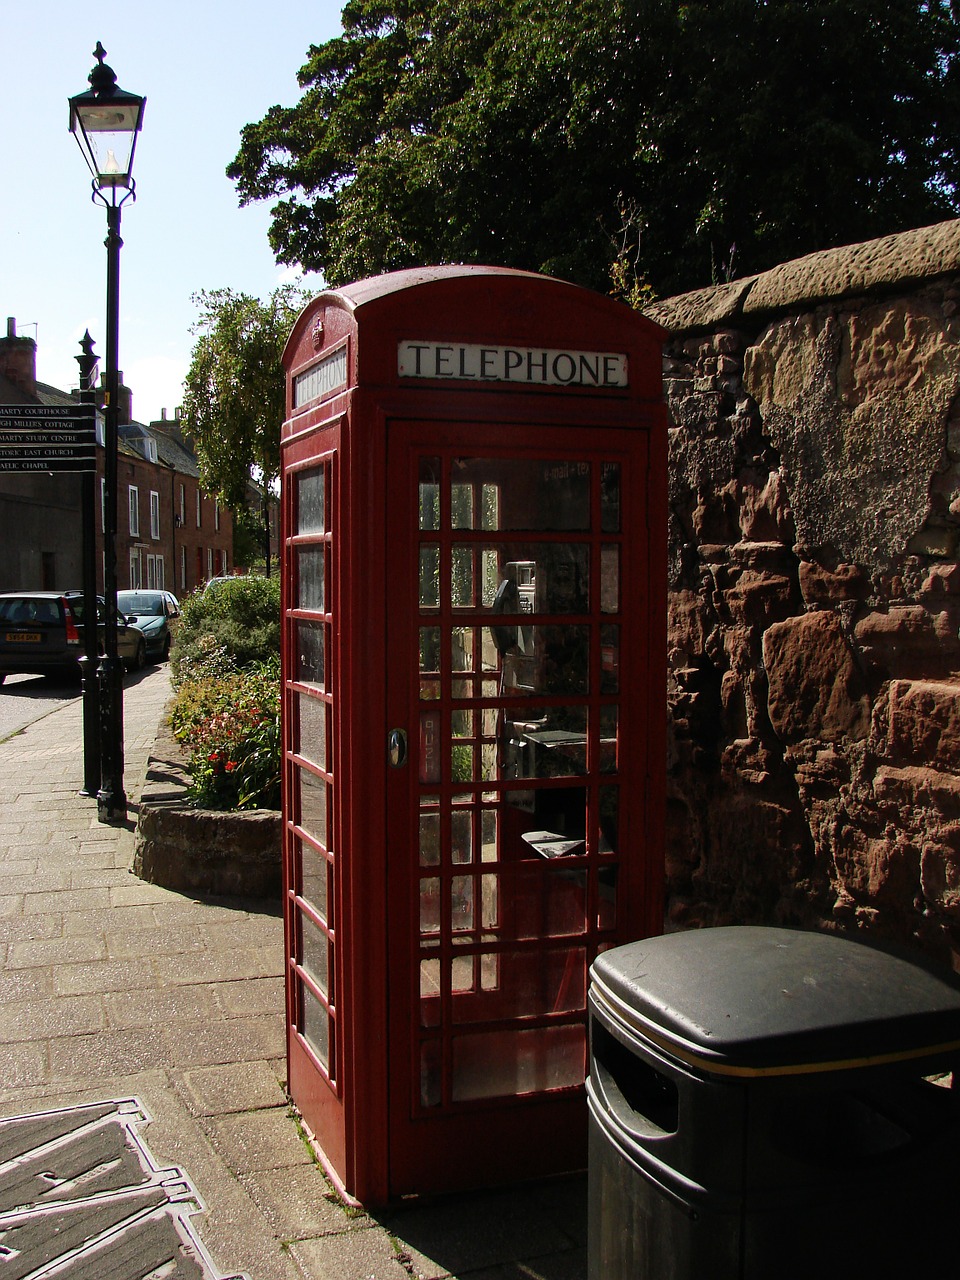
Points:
517	680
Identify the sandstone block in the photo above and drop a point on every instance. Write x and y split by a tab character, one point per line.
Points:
910	641
815	689
826	586
924	723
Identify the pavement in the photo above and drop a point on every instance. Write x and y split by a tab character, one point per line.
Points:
144	1127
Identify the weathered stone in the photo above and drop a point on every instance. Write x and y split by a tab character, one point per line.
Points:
909	641
198	850
924	723
815	690
758	599
826	586
884	871
940	872
944	579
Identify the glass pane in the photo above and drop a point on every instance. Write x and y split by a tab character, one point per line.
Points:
430	759
462	763
431	1067
430	993
551	823
609	659
461	835
610	497
429	493
527	493
461	577
429	839
609	820
461	648
505	1063
310	652
537	577
610	579
461	903
314	871
488	827
313	805
429	576
609	718
430	905
461	506
607	897
310	584
430	649
313	729
532	983
462	724
310	501
544	742
315	1025
314	954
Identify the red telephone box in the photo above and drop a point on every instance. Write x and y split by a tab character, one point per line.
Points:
474	515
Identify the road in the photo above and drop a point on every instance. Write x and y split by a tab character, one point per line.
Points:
24	699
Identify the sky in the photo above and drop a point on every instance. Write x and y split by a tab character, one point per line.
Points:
206	69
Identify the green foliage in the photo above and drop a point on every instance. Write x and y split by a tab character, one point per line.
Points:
230	626
234	396
640	145
230	727
226	714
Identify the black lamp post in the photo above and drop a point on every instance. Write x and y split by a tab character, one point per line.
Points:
89	680
105	121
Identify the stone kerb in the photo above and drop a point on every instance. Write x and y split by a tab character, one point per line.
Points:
199	850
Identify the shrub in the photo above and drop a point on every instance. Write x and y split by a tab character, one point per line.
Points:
240	619
229	724
226	715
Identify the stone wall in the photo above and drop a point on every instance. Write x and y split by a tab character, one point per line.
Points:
199	851
815	595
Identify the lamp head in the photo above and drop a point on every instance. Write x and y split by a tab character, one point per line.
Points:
106	121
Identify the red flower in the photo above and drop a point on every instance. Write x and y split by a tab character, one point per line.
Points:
230	766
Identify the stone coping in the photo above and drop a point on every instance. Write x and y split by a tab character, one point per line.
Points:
201	851
911	257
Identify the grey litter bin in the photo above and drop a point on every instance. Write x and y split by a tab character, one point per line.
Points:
768	1104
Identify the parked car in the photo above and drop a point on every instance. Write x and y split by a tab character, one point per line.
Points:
40	634
213	583
156	614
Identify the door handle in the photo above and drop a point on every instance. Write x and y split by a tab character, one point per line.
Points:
397	748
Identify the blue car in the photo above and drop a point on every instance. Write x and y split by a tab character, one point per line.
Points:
156	614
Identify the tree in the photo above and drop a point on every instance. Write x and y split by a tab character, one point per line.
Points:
668	143
234	397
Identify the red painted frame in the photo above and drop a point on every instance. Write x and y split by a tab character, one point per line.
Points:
371	1147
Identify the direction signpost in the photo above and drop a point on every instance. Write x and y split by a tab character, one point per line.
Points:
47	438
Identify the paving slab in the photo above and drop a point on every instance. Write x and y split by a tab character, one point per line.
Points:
122	999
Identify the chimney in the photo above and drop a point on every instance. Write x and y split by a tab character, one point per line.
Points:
18	359
124	399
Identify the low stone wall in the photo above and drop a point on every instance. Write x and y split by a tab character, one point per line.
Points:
814	607
198	850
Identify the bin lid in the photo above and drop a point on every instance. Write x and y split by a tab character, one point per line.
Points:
748	1000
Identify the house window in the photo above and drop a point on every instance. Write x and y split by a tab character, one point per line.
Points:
199	500
183	509
210	562
134	501
155	573
103	506
216	514
135	580
154	514
183	563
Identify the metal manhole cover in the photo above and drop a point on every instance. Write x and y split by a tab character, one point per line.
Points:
82	1198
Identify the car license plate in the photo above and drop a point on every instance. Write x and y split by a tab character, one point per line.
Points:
30	637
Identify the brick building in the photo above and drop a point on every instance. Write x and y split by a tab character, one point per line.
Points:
169	532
